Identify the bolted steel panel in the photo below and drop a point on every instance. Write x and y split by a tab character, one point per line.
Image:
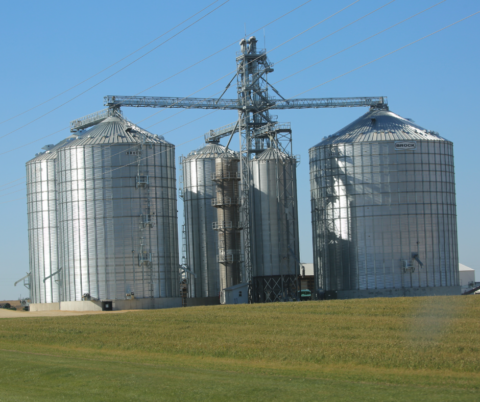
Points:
201	241
98	209
274	222
383	190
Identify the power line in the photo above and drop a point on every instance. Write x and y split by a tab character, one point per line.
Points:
16	191
226	47
13	181
317	86
31	142
349	47
385	55
276	63
355	69
333	33
339	76
115	73
18	199
301	93
15	185
110	66
271	22
232	71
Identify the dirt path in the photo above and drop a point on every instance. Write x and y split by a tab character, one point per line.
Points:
54	313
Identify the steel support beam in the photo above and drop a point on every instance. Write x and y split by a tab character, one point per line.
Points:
269	103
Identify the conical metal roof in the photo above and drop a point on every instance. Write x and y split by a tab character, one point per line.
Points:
380	125
210	150
114	130
271	153
51	153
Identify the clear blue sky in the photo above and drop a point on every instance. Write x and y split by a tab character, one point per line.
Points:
50	46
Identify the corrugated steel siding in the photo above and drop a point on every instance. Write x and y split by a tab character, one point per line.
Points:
373	206
201	240
100	221
271	224
91	191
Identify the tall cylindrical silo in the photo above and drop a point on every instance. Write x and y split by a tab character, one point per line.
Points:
383	210
42	225
201	241
274	225
227	203
118	214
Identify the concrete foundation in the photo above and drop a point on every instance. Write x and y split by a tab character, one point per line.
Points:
44	306
90	305
203	301
402	292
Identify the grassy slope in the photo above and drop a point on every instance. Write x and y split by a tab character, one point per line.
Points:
375	349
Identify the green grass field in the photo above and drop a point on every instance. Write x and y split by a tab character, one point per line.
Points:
401	349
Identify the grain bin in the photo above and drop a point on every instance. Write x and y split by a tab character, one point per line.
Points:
42	224
383	210
274	225
118	214
200	239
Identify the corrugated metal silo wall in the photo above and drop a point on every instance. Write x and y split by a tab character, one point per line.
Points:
42	229
373	206
202	240
228	220
274	223
100	207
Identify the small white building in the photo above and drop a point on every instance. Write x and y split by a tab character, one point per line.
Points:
306	269
466	275
236	294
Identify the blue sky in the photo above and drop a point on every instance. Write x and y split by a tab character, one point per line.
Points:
48	47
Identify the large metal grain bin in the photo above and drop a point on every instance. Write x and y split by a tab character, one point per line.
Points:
42	225
383	210
200	240
118	214
274	225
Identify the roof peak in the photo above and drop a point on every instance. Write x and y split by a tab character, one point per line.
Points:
380	125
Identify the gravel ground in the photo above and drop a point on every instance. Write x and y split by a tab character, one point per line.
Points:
54	313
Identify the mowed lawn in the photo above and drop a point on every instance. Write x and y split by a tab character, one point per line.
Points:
400	349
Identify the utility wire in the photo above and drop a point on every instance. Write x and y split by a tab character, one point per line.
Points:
230	72
301	93
15	185
221	50
342	75
32	142
385	55
338	30
13	181
111	65
271	22
16	191
18	199
333	79
276	63
310	89
115	73
349	47
49	135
